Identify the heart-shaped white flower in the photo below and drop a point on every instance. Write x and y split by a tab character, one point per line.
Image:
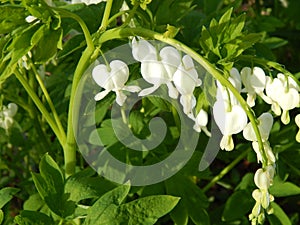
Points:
186	80
156	69
254	81
262	179
7	114
284	93
113	79
201	121
229	122
265	123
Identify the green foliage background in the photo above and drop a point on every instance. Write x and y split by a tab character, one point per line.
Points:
34	189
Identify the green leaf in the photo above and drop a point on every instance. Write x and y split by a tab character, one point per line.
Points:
48	42
280	214
275	42
21	44
237	205
283	189
32	217
1	216
147	210
90	14
82	186
192	199
50	185
170	11
108	202
11	17
33	203
180	214
6	194
160	103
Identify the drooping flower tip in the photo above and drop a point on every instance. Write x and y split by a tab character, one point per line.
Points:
7	114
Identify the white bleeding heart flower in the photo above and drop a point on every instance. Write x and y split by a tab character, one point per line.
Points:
201	122
7	114
229	122
284	93
113	78
186	80
224	94
254	81
263	199
156	69
141	48
265	123
297	121
268	151
262	179
30	19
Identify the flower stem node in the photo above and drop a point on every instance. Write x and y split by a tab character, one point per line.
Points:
113	78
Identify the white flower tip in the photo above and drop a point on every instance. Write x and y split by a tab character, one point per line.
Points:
121	98
285	117
227	143
101	95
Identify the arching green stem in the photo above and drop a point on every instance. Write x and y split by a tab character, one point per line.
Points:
70	144
211	69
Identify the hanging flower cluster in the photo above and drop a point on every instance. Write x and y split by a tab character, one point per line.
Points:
177	72
7	114
284	93
228	113
164	67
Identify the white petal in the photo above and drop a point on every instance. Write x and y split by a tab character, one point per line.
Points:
264	126
184	82
202	118
131	88
256	194
261	179
188	102
12	109
154	72
251	99
121	98
101	95
285	117
119	73
289	100
236	79
258	80
227	143
101	76
142	48
173	93
297	120
148	91
171	59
